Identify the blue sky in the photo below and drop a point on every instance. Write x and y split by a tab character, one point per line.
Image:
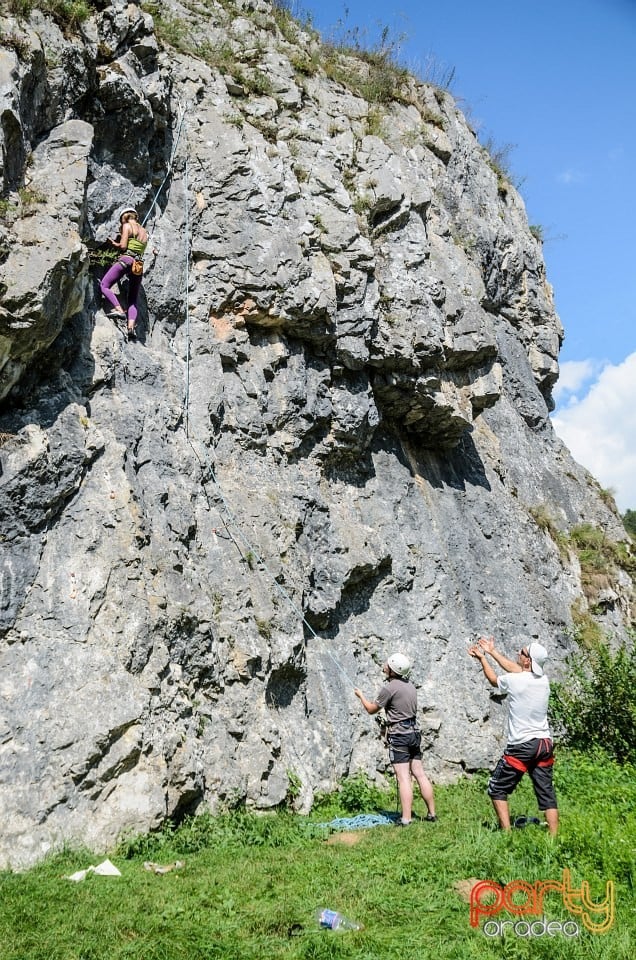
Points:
556	79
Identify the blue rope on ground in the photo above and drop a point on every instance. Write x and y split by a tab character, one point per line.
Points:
363	821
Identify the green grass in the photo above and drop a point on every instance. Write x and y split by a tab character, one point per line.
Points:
247	880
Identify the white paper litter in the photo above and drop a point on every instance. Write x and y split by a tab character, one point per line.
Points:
103	869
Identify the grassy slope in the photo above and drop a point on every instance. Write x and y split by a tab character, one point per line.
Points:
247	879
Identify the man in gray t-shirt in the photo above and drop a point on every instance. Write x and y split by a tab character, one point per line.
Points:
398	699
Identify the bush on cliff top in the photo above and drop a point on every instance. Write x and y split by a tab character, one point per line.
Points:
68	14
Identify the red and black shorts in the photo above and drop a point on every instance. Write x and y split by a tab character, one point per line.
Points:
534	757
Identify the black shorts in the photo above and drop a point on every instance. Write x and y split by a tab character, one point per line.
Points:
404	747
534	757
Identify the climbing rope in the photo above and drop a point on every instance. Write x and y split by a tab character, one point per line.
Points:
231	522
170	166
363	821
250	549
187	299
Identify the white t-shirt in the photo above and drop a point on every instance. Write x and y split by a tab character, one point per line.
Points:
528	697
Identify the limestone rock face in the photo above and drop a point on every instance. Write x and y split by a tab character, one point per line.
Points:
326	443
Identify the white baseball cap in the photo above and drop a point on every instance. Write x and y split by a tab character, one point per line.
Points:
538	656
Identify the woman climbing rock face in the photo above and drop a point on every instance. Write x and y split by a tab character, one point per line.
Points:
133	240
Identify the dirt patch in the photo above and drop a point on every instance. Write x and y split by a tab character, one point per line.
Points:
463	887
346	837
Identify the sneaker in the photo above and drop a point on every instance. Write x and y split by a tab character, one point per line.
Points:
525	822
404	823
430	818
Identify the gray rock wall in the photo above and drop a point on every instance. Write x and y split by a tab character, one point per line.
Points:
323	446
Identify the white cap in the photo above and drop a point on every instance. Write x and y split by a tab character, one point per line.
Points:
538	656
399	664
127	210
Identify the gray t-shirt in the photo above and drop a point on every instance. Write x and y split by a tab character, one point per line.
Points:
398	699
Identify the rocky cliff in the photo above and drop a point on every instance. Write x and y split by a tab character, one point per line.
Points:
329	441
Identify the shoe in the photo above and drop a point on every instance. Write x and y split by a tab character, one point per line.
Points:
525	822
430	818
132	335
404	823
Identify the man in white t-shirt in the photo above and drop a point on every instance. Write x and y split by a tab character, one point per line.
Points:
529	741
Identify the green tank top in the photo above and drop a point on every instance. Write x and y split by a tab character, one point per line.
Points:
136	246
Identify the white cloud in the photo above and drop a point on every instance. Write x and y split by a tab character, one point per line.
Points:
600	429
573	374
616	155
570	176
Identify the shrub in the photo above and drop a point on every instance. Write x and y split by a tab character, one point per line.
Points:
375	123
30	198
374	73
173	32
289	19
234	829
544	519
598	554
359	795
629	522
596	705
15	42
499	162
587	631
303	64
21	8
294	789
435	119
591	545
7	209
68	14
257	83
220	56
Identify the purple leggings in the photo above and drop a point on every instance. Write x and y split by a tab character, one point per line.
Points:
113	276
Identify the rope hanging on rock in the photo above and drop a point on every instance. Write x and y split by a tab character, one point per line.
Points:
251	551
170	167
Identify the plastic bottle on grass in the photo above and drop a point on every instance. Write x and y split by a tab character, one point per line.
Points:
333	920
